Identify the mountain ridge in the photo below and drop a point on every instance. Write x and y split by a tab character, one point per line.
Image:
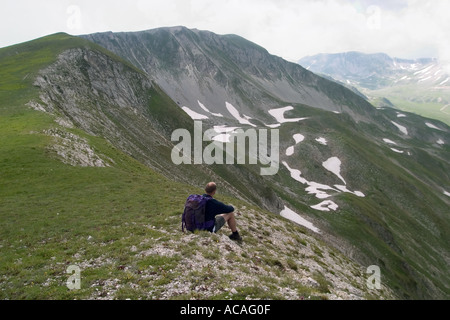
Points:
221	51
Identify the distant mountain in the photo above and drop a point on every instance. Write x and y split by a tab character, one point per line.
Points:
377	71
86	141
421	85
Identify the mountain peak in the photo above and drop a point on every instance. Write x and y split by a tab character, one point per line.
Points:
224	68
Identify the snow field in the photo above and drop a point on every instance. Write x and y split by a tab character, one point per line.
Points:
278	114
295	217
400	127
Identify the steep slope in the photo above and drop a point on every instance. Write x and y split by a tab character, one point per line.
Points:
421	86
108	97
374	182
72	195
198	68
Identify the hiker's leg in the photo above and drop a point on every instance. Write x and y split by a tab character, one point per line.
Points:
231	220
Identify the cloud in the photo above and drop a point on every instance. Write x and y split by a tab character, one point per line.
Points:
288	28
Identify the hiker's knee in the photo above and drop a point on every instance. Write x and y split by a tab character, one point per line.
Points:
228	216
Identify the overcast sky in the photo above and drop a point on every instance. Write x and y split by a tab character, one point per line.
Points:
291	29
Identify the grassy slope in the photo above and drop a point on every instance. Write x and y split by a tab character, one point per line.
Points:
418	100
54	215
107	220
400	219
48	209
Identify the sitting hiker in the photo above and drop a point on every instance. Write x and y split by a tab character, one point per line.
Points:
220	212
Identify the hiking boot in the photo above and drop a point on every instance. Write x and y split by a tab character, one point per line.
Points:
235	236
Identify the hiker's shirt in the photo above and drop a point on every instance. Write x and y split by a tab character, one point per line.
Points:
214	208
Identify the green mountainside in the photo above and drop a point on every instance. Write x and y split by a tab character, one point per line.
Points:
396	159
87	177
70	197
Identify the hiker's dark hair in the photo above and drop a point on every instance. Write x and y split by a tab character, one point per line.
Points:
210	188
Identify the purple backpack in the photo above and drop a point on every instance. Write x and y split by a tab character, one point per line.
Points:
194	214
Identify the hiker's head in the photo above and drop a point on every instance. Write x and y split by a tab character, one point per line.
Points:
211	188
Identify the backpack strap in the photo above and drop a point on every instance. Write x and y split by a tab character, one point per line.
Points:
183	223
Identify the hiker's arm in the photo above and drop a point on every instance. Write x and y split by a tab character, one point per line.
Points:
235	211
225	208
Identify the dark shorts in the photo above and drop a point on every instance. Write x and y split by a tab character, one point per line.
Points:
219	222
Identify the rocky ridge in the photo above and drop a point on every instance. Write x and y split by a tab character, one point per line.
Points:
276	260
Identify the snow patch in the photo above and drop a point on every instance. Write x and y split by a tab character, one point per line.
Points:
273	126
396	150
440	142
207	110
278	114
223	137
295	217
298	138
344	189
313	187
432	126
322	141
445	81
290	151
194	115
447	193
425	79
224	133
400	127
236	114
334	165
359	194
295	174
318	189
424	70
389	141
326	206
